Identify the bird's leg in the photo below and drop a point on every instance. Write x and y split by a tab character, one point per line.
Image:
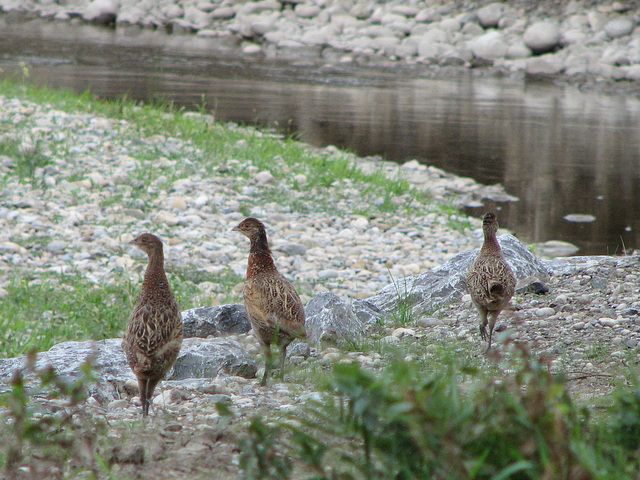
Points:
268	361
146	387
283	357
493	316
143	387
483	322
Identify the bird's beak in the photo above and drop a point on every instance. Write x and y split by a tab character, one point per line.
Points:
133	242
236	228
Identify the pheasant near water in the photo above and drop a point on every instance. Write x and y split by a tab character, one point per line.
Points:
154	332
273	306
490	280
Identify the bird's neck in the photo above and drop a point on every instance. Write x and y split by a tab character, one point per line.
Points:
259	244
260	258
154	276
491	244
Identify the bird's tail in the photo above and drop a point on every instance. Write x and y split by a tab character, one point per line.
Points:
496	288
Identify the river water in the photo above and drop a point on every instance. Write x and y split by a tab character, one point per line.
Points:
559	150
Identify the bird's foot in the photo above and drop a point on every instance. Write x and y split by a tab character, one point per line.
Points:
483	332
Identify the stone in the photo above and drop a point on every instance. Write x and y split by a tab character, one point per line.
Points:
472	29
427	15
490	15
450	25
367	313
173	11
264	177
532	285
608	322
489	46
56	246
131	15
517	50
542	66
632	73
290	248
428	49
206	358
445	285
619	26
544	312
178	203
579	218
555	248
102	12
330	321
571	37
223	13
198	358
306	11
106	356
542	37
217	321
597	20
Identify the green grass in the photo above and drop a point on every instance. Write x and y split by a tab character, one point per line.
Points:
452	423
38	313
225	149
27	156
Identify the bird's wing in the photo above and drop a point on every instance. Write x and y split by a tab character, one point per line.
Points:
152	327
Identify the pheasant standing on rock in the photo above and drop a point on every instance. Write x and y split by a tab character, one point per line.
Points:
154	332
490	280
272	303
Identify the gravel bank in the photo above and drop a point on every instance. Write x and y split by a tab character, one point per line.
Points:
78	213
581	42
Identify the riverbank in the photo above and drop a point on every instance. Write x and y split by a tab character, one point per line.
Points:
578	42
81	177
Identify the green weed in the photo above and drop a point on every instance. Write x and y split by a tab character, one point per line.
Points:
27	157
452	423
40	312
37	438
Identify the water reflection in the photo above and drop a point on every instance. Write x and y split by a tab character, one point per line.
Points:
559	151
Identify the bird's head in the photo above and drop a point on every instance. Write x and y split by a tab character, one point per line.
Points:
250	227
490	222
148	243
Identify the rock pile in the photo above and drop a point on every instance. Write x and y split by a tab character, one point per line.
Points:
576	40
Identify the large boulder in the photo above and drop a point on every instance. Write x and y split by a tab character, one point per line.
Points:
198	358
207	358
67	359
437	288
330	321
217	321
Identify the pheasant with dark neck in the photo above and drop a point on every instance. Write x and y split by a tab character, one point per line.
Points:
154	332
490	280
273	306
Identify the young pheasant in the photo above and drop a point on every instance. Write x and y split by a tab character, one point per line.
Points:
272	303
490	280
154	332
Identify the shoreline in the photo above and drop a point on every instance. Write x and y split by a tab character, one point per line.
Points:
108	177
572	43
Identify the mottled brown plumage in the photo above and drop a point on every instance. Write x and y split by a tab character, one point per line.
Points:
154	332
490	280
272	303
